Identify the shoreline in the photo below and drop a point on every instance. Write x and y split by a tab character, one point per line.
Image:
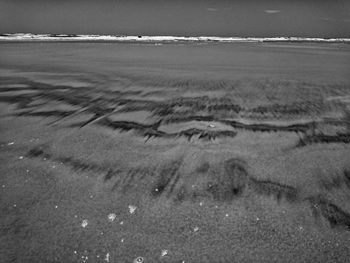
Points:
164	39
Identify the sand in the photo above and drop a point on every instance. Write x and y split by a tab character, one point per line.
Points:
174	153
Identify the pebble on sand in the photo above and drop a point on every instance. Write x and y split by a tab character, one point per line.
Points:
164	252
132	209
112	217
195	229
84	223
107	257
138	260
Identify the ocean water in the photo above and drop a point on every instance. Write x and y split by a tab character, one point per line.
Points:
254	18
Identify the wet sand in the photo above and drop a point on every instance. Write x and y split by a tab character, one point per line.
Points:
174	153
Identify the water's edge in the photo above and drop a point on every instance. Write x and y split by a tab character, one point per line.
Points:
118	38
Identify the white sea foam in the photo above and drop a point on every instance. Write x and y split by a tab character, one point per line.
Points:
62	37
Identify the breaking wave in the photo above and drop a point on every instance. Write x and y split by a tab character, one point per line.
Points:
122	38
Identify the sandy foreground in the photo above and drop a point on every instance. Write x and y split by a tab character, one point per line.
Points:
174	152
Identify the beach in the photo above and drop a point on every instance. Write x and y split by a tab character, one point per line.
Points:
174	152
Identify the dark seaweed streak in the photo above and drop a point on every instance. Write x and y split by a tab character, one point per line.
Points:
334	214
177	110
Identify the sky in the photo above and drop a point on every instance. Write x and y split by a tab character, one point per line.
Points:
255	18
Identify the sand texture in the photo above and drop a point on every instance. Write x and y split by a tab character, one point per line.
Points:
174	152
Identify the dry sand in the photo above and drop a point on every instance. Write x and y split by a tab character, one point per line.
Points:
174	153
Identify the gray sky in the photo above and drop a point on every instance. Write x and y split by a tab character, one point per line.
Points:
259	18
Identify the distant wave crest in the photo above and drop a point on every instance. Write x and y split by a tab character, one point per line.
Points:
122	38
